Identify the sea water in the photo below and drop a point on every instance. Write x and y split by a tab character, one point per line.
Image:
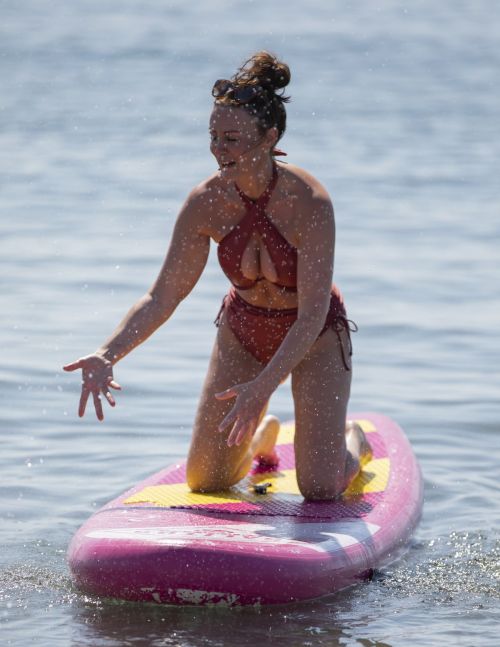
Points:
103	131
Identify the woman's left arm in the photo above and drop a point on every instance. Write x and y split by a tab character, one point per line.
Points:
314	283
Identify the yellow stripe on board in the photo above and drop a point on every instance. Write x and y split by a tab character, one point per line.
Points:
286	434
373	478
366	425
179	494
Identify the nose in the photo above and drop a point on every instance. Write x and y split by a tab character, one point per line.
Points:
218	146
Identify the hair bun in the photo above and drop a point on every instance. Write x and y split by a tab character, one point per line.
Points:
265	69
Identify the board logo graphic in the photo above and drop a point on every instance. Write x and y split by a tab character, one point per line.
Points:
318	537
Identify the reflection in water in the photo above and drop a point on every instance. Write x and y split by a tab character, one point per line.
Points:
155	625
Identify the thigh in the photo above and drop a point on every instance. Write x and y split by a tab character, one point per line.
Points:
321	387
211	463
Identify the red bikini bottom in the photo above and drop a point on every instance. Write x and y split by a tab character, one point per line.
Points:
261	331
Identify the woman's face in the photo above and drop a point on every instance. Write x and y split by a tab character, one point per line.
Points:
236	141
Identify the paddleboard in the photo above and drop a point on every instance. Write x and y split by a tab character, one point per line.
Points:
259	542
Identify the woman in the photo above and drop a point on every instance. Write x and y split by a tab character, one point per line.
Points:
274	226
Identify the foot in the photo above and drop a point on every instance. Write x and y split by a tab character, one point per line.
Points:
357	443
264	440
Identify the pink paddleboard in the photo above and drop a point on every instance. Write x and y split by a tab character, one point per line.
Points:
160	542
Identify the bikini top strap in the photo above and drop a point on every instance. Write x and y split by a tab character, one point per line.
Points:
263	199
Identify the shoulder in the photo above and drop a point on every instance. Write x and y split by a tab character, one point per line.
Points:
311	202
206	194
204	202
304	187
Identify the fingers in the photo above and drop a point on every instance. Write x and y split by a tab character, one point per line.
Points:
83	402
227	394
73	365
95	380
228	420
231	438
242	433
97	402
240	429
239	432
98	405
234	435
232	415
108	396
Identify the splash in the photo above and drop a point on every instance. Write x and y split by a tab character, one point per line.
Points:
462	565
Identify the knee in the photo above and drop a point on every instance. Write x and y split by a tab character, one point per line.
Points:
318	495
313	489
201	484
197	475
206	476
199	479
201	487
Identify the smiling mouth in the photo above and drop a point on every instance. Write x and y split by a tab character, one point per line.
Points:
227	164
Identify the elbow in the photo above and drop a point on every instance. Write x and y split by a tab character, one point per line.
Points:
165	301
160	308
313	322
312	313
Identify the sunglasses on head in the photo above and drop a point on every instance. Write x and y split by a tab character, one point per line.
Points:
239	93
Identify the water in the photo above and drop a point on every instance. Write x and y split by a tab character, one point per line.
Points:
103	130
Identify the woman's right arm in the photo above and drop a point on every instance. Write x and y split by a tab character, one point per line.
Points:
184	263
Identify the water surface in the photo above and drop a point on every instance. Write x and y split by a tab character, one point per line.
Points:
103	131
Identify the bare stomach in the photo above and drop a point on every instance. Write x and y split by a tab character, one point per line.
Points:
268	295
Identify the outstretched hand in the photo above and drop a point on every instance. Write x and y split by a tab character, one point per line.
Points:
245	415
97	378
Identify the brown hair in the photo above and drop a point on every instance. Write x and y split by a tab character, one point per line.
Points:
265	70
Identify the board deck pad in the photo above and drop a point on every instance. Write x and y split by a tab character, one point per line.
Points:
162	543
283	497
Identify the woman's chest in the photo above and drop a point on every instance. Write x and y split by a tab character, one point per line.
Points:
257	227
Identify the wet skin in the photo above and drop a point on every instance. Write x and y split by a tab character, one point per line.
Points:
237	388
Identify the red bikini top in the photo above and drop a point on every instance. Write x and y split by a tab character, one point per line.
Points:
231	247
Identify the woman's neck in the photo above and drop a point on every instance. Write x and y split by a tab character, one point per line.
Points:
254	183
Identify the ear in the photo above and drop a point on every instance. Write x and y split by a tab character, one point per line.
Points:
271	137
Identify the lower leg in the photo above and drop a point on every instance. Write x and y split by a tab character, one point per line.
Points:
212	465
358	450
230	472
